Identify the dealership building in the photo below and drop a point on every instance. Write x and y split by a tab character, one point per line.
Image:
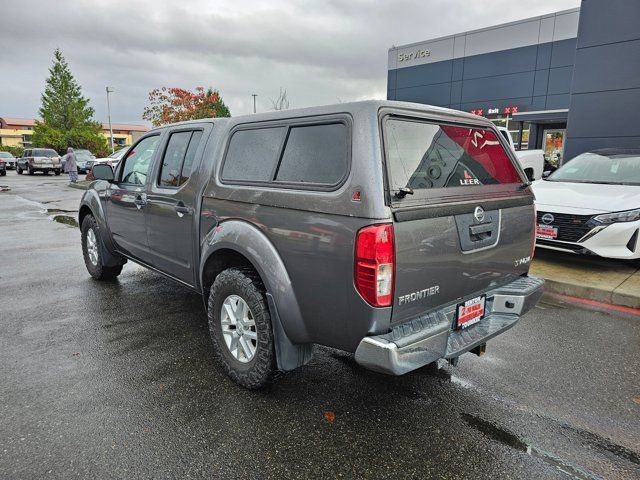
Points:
566	82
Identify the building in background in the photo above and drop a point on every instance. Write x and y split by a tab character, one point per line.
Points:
17	132
565	82
124	134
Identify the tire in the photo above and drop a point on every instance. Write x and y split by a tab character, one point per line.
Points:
57	172
3	173
30	170
95	267
261	368
19	170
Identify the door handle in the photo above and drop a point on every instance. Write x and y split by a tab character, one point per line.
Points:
182	210
479	229
140	201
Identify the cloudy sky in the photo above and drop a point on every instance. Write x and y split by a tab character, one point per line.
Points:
320	51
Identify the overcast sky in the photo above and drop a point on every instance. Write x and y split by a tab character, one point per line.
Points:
320	51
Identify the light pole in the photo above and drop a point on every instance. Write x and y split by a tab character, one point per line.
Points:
110	90
254	95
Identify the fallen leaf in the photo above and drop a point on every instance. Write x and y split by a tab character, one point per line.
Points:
329	416
75	354
636	400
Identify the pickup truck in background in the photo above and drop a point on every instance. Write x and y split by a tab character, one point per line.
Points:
531	161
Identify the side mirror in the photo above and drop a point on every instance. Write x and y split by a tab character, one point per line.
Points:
103	172
546	173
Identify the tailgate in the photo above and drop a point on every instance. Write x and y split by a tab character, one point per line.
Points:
463	224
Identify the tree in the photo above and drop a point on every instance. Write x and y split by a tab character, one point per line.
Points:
170	105
282	102
67	118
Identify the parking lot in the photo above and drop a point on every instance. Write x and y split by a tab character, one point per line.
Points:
117	380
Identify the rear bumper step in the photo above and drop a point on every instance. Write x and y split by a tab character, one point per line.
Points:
430	337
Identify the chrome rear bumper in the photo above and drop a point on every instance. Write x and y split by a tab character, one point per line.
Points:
426	339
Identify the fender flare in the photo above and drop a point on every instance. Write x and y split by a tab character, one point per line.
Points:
91	200
292	340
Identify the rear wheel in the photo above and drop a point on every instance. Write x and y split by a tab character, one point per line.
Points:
57	172
240	327
90	237
3	173
19	170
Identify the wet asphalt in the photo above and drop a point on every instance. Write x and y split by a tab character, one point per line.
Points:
117	380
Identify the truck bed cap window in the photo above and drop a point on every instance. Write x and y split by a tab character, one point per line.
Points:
252	154
423	156
315	154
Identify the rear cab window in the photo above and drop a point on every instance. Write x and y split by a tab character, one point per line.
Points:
302	156
178	160
431	160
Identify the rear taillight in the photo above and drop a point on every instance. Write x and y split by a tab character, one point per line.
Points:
375	264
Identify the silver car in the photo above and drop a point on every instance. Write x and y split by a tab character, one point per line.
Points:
9	160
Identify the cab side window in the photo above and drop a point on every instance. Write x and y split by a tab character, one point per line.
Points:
138	160
179	157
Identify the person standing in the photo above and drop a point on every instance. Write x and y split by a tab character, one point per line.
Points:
70	166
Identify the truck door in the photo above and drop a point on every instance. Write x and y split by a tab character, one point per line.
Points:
128	199
171	205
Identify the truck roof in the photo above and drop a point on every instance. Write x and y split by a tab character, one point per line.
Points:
370	106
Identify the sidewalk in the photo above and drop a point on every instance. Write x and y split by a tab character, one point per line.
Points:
593	278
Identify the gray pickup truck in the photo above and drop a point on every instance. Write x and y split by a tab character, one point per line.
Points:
400	232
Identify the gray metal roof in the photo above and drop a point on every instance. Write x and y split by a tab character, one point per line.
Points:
373	106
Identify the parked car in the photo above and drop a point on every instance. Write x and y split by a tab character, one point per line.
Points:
9	160
112	160
3	167
397	231
43	160
531	161
591	205
83	159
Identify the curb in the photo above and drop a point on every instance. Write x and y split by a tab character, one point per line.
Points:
591	278
590	293
80	185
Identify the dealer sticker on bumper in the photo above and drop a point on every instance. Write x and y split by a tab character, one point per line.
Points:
470	312
546	232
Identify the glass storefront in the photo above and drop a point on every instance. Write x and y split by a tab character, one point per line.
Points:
553	144
514	128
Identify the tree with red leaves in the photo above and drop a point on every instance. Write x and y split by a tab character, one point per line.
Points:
170	105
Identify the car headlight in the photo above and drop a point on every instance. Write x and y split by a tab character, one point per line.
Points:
627	216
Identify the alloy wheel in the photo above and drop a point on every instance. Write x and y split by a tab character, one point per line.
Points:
92	246
239	328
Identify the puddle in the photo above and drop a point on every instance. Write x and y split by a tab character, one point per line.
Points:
510	439
60	210
67	220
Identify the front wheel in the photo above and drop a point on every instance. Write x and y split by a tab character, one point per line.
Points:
240	327
19	170
90	237
30	170
57	172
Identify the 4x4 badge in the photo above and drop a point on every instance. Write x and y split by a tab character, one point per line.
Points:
478	214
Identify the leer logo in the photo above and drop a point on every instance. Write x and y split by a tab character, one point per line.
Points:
468	179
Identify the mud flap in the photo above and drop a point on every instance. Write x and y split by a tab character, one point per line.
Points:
288	355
